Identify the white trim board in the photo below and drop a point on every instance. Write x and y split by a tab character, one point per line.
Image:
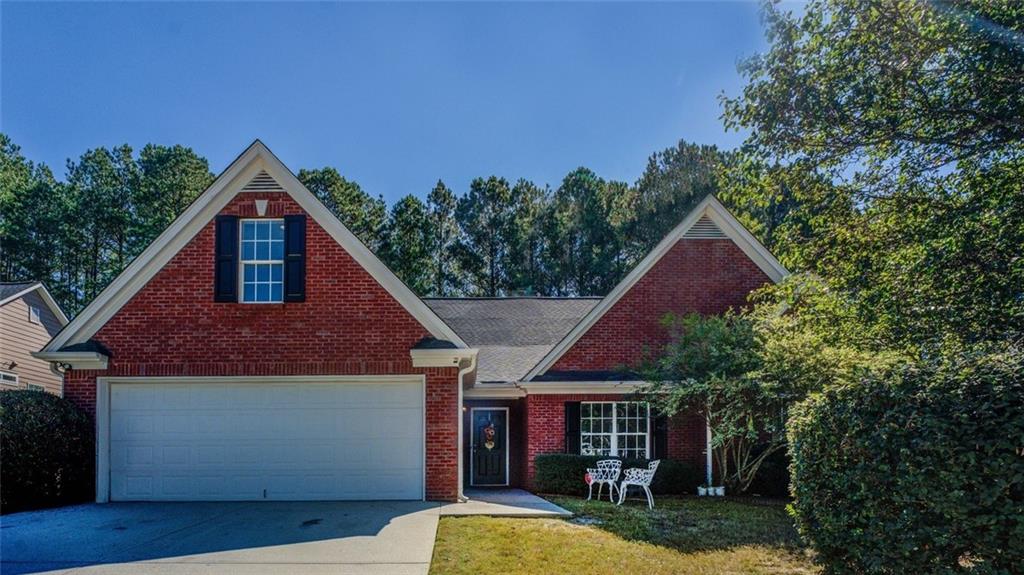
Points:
256	158
729	225
50	302
472	429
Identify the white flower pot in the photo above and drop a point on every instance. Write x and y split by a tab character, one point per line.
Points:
719	491
702	491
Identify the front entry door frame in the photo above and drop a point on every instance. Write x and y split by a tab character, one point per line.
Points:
472	440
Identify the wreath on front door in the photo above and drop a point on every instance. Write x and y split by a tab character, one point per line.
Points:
489	432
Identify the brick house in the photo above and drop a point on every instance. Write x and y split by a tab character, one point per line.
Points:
258	350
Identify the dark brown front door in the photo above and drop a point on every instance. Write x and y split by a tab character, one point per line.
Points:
489	447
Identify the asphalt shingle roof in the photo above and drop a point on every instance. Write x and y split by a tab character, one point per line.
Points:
9	289
512	333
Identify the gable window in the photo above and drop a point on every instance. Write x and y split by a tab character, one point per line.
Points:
8	378
34	314
616	428
262	261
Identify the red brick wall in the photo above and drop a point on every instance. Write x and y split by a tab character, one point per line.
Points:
348	325
703	276
545	420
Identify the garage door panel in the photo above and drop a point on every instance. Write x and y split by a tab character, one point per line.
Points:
235	441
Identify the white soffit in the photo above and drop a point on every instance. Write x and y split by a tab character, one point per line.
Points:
706	221
256	167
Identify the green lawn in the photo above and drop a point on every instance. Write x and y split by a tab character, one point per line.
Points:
681	536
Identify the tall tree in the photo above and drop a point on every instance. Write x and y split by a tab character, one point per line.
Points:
406	248
101	186
584	245
31	213
444	229
525	266
362	214
171	177
904	123
485	216
675	180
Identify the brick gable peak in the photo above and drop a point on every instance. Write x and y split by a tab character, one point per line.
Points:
708	220
253	170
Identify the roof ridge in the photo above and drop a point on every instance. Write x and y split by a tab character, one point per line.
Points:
511	297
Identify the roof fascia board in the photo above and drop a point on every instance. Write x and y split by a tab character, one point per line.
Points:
50	302
721	216
493	391
157	254
440	357
578	387
75	359
746	241
362	254
255	158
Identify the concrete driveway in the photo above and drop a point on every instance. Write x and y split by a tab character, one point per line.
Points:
263	538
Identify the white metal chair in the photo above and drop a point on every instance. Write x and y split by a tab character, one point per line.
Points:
641	478
607	472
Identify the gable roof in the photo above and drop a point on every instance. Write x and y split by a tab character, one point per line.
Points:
10	291
256	161
512	333
700	223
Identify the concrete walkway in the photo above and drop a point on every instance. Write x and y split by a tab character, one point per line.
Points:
262	538
503	503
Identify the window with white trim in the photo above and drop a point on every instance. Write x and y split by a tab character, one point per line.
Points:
617	428
8	378
34	314
262	261
34	387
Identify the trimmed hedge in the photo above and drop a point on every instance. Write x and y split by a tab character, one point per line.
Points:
46	451
917	471
563	473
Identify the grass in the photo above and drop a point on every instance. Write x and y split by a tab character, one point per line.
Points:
681	536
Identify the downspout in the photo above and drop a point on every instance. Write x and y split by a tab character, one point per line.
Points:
462	373
710	461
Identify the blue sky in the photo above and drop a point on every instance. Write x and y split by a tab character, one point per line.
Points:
393	95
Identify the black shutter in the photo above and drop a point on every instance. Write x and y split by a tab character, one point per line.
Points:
295	258
572	427
660	440
225	271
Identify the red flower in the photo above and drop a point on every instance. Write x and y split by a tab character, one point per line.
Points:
587	479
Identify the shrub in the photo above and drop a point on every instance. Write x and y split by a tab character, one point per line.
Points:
563	473
918	470
46	451
772	479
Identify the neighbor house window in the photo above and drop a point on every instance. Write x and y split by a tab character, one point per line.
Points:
8	378
33	314
262	261
34	387
617	428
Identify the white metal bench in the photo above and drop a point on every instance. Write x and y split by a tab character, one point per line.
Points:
607	472
640	478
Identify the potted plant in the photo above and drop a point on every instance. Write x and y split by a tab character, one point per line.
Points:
703	490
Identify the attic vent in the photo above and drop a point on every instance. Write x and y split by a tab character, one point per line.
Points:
704	229
263	183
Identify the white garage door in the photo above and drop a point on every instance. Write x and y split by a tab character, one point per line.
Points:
255	441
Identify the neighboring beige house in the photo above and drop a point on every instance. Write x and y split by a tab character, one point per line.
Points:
29	318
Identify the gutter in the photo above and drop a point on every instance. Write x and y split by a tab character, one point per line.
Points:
465	360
